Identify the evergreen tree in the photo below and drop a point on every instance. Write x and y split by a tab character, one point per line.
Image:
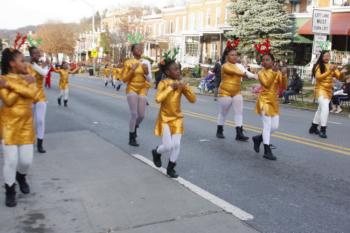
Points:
255	20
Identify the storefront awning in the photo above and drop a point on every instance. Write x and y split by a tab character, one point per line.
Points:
299	39
340	25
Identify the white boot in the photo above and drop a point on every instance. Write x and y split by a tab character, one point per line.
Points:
339	110
334	108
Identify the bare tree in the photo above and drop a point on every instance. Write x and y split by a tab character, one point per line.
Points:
57	38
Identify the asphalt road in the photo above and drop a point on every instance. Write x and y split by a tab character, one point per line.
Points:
306	190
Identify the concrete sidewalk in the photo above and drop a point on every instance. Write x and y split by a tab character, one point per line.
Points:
85	184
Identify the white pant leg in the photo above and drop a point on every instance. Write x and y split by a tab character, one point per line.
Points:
267	121
25	158
225	104
166	146
10	163
66	94
40	114
61	94
322	113
238	109
275	121
324	103
176	144
270	124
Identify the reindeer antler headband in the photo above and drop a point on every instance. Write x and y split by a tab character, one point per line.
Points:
19	41
263	47
232	44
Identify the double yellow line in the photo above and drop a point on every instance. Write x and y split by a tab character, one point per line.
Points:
280	135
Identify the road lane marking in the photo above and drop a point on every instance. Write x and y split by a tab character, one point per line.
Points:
227	207
335	123
278	134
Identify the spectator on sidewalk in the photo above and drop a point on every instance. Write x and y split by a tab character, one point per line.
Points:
341	95
294	87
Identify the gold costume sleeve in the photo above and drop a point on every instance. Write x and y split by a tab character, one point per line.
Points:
28	91
189	94
232	70
8	98
162	92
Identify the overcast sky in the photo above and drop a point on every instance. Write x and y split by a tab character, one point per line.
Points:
19	13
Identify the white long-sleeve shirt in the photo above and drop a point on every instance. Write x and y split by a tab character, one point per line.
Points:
244	70
42	71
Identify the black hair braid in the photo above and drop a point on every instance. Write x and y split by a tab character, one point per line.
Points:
8	55
164	67
320	64
31	49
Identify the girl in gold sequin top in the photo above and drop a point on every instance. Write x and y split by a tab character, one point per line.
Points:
137	76
324	74
18	93
170	125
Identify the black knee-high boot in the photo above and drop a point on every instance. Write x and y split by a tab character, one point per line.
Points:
10	200
220	132
132	139
257	142
268	153
66	103
22	182
157	158
171	170
314	129
240	136
40	147
323	132
59	101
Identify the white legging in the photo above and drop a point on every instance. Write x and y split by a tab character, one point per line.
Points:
16	158
64	93
170	144
40	114
321	116
270	124
137	106
225	106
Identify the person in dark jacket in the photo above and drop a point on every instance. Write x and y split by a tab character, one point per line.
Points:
217	80
293	88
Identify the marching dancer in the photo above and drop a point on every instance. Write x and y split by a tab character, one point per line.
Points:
267	105
64	82
39	73
230	91
117	72
137	75
107	74
169	124
17	93
324	73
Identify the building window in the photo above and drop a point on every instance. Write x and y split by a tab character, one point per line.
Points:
192	46
208	16
218	16
171	25
213	51
200	20
177	22
192	21
295	7
159	29
184	23
227	13
340	2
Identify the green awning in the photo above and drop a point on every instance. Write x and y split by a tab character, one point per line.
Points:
299	39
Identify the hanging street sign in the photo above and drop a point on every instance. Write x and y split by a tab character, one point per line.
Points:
321	21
